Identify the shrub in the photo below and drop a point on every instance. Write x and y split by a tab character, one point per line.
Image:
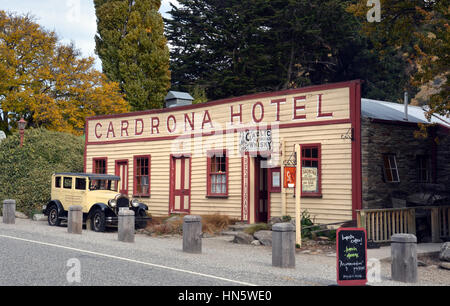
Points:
215	223
25	172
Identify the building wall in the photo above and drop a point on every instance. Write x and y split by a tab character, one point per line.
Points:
382	138
323	116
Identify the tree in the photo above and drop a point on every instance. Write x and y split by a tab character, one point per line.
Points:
47	82
232	48
420	30
130	42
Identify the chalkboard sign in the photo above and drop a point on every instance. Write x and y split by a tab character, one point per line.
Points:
351	253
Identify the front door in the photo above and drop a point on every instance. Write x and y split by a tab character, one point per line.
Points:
261	191
180	184
122	171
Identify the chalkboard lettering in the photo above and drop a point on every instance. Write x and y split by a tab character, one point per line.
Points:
351	256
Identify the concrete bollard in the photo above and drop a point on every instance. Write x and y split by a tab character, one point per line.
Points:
404	258
75	220
192	234
9	211
283	245
126	225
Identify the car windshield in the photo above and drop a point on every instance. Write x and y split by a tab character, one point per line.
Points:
102	185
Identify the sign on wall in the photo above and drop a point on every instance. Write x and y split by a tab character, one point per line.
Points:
255	141
289	177
309	179
351	245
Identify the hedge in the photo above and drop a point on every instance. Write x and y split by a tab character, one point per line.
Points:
25	172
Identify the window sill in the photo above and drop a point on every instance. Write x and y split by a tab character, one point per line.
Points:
218	196
317	195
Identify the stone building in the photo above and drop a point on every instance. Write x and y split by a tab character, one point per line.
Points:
399	168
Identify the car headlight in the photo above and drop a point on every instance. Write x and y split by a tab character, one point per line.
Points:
112	203
135	202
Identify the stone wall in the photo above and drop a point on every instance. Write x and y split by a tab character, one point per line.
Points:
383	138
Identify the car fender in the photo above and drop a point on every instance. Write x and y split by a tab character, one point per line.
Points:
103	207
59	206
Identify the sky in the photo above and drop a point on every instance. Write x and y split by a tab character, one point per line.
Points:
72	20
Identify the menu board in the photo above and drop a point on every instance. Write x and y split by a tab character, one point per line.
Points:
351	253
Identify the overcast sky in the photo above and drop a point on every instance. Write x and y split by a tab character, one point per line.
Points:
72	20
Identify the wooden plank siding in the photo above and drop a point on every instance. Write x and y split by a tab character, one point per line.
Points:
119	141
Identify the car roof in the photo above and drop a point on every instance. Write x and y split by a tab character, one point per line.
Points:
92	176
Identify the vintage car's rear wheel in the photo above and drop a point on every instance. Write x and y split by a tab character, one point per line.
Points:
98	221
53	219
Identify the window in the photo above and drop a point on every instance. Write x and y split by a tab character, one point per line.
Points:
311	170
217	173
99	166
423	167
275	180
390	168
80	183
58	182
142	175
67	183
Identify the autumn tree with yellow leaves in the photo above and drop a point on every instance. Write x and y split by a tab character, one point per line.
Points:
47	82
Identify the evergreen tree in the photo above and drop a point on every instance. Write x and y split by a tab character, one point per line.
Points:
130	42
232	48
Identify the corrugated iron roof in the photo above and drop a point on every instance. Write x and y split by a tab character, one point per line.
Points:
396	112
178	95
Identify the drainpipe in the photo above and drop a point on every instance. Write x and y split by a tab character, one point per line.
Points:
406	105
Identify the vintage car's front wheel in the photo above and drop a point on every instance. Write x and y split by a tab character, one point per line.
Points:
98	221
53	219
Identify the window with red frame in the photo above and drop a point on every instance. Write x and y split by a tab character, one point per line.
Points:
217	174
142	175
311	170
99	165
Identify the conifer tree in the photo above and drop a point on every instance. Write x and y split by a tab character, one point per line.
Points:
130	42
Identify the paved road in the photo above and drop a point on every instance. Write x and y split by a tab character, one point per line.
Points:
32	253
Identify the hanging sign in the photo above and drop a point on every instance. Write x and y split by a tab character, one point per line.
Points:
289	177
255	141
351	253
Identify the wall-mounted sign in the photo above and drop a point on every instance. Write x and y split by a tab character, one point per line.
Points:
289	177
351	245
309	179
255	141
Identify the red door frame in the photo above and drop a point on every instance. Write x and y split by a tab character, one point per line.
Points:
257	191
117	172
182	191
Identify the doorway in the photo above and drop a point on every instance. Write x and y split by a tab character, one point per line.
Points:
261	190
122	171
180	184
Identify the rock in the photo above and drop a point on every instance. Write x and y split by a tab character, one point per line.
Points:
265	237
39	217
21	215
256	242
207	235
275	220
243	238
305	252
421	264
174	219
444	265
444	254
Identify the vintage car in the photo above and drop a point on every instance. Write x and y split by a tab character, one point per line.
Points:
97	194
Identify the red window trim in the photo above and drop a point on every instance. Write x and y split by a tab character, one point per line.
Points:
135	193
270	173
209	154
98	159
319	170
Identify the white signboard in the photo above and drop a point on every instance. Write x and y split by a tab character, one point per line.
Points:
255	141
309	179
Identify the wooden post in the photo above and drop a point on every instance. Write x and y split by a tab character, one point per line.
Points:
283	190
283	245
9	211
404	258
298	219
435	226
192	234
412	221
126	225
75	220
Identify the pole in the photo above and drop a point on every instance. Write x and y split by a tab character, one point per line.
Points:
283	190
298	227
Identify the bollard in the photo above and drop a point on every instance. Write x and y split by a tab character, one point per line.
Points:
192	234
404	258
126	225
75	220
283	245
9	211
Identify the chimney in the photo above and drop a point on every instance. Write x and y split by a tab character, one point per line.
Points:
176	98
406	105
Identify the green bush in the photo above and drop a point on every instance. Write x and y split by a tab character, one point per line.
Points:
25	172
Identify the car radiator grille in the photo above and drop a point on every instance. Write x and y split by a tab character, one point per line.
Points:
123	202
